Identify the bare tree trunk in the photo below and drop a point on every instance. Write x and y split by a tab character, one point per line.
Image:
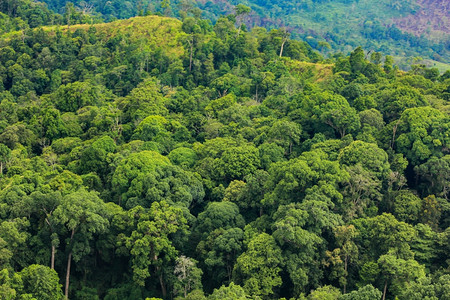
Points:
66	290
163	286
282	46
52	261
345	269
69	260
384	290
191	43
1	167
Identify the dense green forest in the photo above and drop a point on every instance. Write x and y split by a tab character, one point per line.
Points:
404	29
165	159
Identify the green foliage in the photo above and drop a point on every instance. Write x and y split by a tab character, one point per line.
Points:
150	157
231	292
258	268
366	292
41	282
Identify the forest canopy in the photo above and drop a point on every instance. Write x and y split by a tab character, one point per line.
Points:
156	158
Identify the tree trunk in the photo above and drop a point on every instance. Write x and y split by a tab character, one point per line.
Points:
191	43
66	291
384	290
52	262
163	286
282	46
239	31
345	269
69	260
1	168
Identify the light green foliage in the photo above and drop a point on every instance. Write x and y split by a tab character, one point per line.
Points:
340	116
399	272
396	100
289	181
7	287
367	292
13	238
258	268
41	282
143	101
215	106
326	292
225	160
149	242
406	206
137	164
220	154
239	161
370	156
74	96
219	215
82	215
184	157
147	176
94	157
427	288
188	275
421	133
385	233
231	292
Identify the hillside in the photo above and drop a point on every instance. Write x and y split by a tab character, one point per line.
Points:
157	159
148	32
398	28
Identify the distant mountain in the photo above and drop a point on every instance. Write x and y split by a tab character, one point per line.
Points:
402	28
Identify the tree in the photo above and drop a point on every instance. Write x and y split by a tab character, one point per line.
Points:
347	250
367	292
41	282
219	252
150	241
290	180
421	133
81	214
357	61
5	154
93	158
219	215
435	175
326	292
241	12
427	288
340	116
188	275
398	272
258	268
285	134
231	292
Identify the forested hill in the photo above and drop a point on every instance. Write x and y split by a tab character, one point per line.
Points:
152	158
403	29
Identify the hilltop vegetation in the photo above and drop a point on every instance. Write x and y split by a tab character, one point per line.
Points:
406	29
151	157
